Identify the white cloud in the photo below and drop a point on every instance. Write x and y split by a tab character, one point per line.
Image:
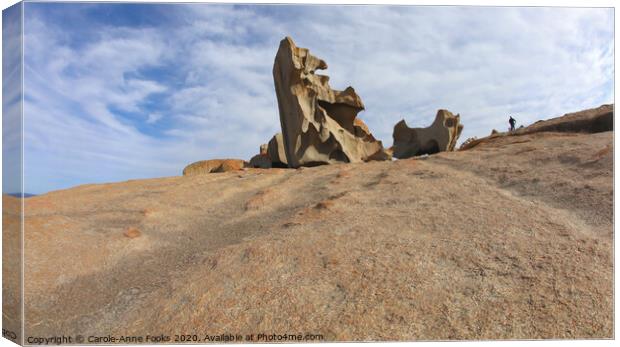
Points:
154	117
483	63
96	114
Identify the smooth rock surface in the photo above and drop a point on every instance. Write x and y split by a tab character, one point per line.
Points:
512	239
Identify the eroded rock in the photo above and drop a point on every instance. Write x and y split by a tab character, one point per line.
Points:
271	154
439	137
275	151
213	166
261	161
263	149
319	124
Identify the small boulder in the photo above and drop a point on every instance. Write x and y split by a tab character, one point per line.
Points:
263	149
260	161
275	151
213	166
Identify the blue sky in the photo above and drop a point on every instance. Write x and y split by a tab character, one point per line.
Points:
11	100
124	91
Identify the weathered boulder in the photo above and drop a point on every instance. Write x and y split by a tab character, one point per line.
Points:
213	166
263	149
275	151
271	154
261	161
318	123
439	137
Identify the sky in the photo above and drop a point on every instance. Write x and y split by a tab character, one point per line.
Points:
126	91
11	100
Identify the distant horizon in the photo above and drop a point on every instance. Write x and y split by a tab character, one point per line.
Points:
117	91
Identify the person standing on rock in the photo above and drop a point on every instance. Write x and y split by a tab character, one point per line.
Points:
512	122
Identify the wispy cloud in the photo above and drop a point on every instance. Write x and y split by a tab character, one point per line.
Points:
124	100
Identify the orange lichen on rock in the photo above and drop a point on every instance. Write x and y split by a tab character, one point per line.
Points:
132	233
213	166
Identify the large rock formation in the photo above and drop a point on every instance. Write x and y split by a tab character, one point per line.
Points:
319	124
213	166
440	136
